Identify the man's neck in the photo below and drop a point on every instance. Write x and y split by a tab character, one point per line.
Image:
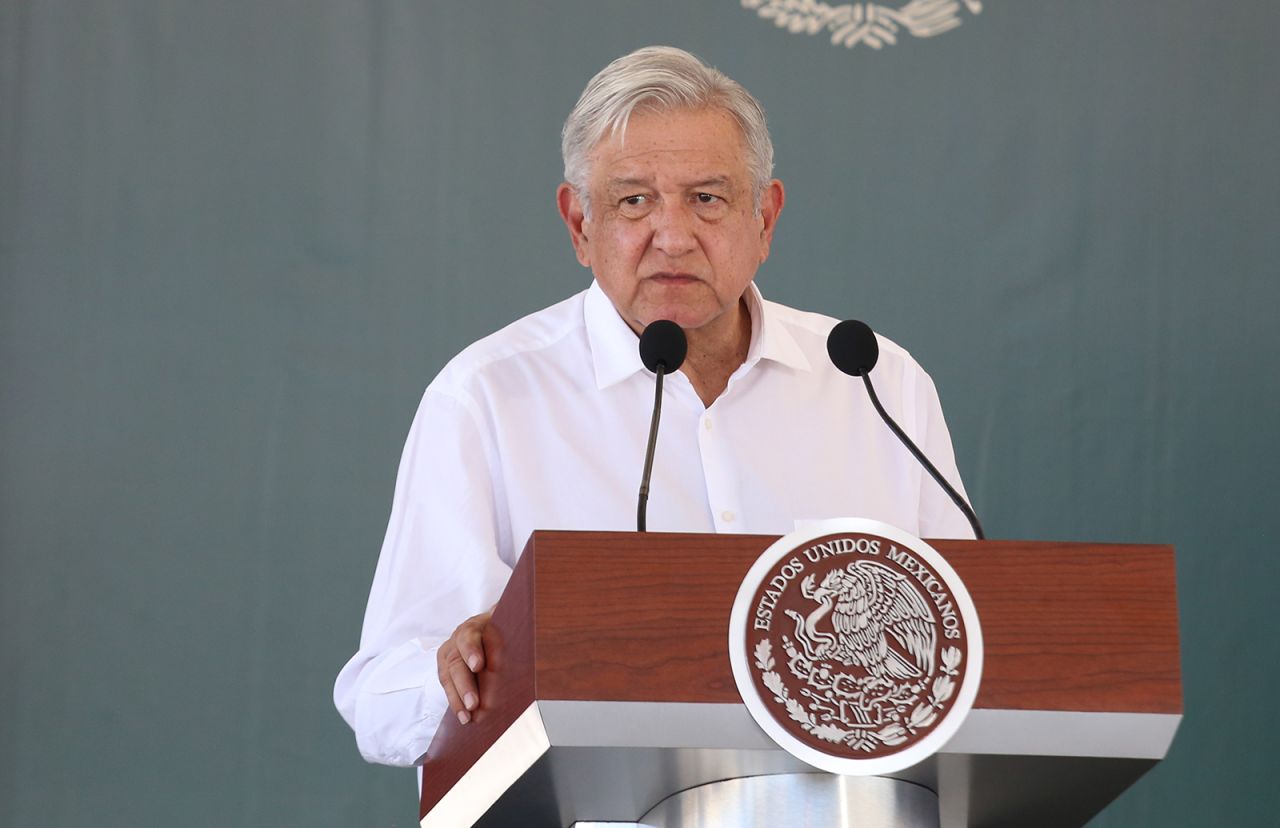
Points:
716	351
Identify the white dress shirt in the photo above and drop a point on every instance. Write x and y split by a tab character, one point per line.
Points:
543	426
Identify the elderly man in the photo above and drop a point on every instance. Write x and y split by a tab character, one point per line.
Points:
670	202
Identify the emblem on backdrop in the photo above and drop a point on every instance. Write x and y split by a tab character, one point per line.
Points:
855	646
870	24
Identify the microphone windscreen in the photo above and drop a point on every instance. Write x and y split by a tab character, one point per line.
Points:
663	343
853	347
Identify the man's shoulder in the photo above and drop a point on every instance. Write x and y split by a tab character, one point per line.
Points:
810	329
795	319
530	338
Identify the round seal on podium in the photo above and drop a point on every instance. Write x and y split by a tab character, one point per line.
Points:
855	646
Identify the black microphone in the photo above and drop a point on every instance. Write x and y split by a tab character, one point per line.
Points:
662	350
853	348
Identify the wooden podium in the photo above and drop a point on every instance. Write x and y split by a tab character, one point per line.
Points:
609	688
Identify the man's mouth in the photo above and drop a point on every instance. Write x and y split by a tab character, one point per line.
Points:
670	278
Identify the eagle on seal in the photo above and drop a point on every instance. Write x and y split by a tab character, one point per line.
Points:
880	621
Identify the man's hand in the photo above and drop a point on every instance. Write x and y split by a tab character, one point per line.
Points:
458	660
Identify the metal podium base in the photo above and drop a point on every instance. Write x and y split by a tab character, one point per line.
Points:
799	800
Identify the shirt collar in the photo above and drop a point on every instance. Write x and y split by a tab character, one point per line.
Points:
615	348
770	338
615	353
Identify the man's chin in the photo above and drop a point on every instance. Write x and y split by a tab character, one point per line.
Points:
688	318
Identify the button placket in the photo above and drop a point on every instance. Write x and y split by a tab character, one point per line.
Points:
718	473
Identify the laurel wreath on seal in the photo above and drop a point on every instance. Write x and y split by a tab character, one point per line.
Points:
868	23
894	733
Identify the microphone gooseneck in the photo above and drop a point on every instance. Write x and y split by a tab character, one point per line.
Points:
663	347
853	348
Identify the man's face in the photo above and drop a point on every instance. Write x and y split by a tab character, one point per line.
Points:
674	232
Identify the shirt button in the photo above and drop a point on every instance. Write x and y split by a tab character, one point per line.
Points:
727	516
706	422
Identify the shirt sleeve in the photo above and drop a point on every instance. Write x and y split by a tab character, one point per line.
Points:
440	564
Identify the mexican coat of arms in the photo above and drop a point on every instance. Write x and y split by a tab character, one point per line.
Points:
856	647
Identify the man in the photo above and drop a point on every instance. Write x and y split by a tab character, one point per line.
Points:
670	202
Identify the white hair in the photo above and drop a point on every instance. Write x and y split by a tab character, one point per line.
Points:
659	79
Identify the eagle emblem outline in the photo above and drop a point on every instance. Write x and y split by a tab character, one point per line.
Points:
874	25
869	662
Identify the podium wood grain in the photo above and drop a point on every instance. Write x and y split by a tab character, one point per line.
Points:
1081	627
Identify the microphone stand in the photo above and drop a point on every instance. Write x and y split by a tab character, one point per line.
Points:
643	503
924	461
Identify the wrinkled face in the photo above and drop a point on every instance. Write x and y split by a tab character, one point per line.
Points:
674	232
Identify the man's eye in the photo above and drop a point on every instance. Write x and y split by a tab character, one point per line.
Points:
634	201
707	198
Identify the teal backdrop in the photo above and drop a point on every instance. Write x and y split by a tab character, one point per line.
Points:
238	238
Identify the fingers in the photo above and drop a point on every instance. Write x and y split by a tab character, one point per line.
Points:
470	642
460	687
458	682
458	660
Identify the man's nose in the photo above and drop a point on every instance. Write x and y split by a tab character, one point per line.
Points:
673	229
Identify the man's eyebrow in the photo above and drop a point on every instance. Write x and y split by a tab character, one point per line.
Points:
627	183
714	181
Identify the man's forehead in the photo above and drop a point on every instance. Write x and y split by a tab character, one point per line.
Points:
699	144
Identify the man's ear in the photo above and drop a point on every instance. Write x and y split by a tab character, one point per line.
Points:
575	219
771	201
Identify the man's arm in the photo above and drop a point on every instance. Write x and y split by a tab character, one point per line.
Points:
440	563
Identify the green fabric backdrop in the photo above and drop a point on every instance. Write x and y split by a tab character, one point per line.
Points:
238	238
